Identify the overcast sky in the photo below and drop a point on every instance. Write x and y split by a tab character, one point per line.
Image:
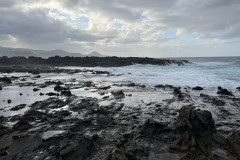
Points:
155	28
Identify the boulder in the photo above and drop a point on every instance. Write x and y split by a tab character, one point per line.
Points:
0	87
52	94
35	89
193	132
66	93
223	91
197	88
234	142
18	107
118	94
6	80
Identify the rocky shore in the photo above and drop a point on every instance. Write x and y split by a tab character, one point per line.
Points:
88	61
81	119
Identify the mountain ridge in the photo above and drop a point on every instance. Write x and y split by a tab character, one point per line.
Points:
25	52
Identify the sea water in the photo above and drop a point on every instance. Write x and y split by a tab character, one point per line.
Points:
206	72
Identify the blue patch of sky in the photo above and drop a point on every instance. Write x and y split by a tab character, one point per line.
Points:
216	34
142	17
117	25
170	34
80	22
189	36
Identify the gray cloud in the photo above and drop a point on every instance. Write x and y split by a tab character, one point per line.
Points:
141	23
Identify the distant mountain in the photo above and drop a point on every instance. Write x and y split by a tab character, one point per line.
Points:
15	52
57	52
95	54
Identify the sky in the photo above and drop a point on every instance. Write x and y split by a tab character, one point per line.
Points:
146	28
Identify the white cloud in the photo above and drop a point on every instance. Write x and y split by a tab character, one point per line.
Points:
122	27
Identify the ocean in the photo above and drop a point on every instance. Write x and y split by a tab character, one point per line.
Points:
207	72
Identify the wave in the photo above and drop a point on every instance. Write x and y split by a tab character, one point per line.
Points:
236	63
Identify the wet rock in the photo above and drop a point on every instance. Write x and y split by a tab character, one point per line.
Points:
62	113
87	84
118	94
0	87
218	102
104	87
66	93
224	92
38	76
177	91
18	107
41	94
20	94
80	151
197	88
193	131
52	133
52	94
22	125
35	89
59	88
153	128
5	80
103	120
238	88
234	142
9	101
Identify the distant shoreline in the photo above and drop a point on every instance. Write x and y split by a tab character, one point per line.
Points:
88	61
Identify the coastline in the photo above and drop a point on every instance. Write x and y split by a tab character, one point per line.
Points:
77	118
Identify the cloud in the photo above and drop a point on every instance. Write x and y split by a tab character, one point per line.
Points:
136	26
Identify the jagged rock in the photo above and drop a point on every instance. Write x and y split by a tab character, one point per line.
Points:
238	88
118	94
18	107
80	151
104	87
224	92
52	94
66	93
22	125
234	142
5	80
198	88
59	88
35	89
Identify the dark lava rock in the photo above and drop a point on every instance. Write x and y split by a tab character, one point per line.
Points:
223	91
41	94
194	132
80	151
104	87
52	94
38	76
0	87
218	102
22	125
6	80
20	94
59	88
177	91
18	107
234	142
66	93
35	89
9	101
118	94
197	88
